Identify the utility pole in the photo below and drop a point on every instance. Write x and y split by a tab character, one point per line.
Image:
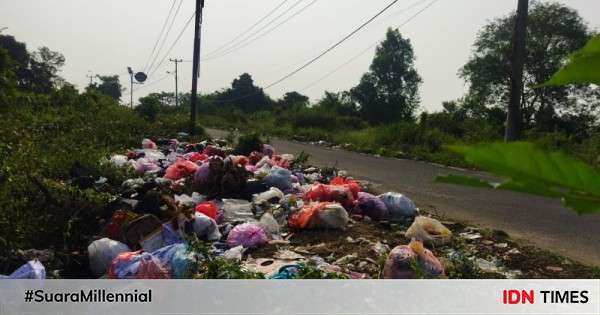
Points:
176	61
513	117
91	77
196	66
131	88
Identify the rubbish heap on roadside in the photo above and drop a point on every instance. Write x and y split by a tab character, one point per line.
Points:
186	194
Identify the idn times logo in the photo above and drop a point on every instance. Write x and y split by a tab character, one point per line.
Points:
513	296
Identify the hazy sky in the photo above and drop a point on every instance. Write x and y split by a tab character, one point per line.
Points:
106	36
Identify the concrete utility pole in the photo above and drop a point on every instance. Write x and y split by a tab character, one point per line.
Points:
91	77
196	66
176	61
513	117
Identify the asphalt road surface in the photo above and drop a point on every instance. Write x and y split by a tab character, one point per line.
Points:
539	221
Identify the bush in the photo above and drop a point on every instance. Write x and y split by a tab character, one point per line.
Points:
248	143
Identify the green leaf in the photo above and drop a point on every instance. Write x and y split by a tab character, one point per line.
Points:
535	171
583	66
463	180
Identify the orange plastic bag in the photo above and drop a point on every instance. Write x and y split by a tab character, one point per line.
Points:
323	215
331	193
351	184
180	169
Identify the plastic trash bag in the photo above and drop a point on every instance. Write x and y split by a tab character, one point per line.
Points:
149	144
323	215
403	260
212	150
180	169
429	231
280	178
119	160
273	195
399	206
351	184
145	165
31	270
284	160
207	208
249	235
154	155
235	253
254	157
269	223
137	265
268	150
205	228
330	193
202	174
102	252
371	206
196	156
236	210
177	259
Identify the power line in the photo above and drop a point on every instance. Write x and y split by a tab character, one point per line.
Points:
333	47
248	29
187	24
363	25
362	52
162	44
258	31
247	43
160	35
152	83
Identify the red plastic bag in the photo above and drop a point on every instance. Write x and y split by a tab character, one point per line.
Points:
301	219
207	208
331	193
240	160
197	156
137	265
180	169
351	184
254	157
281	161
114	229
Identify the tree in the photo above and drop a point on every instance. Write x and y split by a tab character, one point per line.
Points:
44	67
244	95
292	99
109	85
553	32
339	103
389	91
148	108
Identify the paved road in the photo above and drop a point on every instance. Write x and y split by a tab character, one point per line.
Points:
538	220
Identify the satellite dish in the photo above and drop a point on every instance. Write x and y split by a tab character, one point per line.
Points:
141	77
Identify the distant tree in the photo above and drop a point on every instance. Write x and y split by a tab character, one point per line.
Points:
553	32
244	95
291	99
17	52
44	67
148	108
338	103
389	91
109	85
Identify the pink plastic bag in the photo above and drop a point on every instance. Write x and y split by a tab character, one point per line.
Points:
149	144
403	260
249	235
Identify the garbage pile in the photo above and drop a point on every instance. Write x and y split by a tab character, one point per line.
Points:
186	194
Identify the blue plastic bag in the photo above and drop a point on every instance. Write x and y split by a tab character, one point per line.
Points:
31	270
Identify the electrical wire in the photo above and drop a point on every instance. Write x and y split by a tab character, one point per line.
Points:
310	62
162	44
249	37
152	83
160	35
220	48
362	52
187	24
247	43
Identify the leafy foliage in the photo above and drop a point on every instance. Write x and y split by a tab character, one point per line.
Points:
536	171
248	143
583	66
